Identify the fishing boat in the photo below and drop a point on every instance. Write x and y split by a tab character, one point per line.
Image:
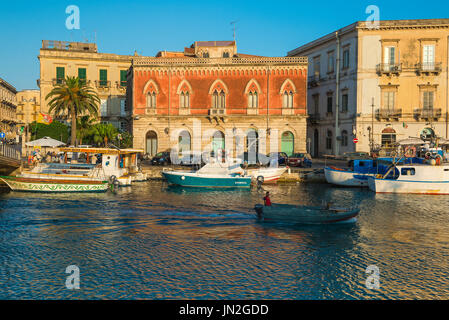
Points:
267	175
54	185
215	174
305	214
358	172
419	178
119	166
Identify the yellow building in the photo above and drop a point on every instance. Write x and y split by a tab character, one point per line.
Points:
104	72
8	108
28	106
392	83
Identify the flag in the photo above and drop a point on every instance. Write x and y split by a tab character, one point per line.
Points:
44	118
404	125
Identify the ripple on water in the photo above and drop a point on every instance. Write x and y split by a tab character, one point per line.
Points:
157	242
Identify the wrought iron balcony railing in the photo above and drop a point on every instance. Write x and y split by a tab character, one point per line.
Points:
314	80
384	113
102	83
429	67
427	113
389	68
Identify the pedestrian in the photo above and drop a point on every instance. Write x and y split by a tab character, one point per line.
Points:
267	200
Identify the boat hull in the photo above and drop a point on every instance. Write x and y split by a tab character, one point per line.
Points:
346	178
306	215
402	186
270	175
206	181
52	185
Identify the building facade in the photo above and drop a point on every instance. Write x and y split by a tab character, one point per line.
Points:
8	109
28	106
379	83
104	72
211	97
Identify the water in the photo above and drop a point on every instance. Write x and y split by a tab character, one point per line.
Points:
152	241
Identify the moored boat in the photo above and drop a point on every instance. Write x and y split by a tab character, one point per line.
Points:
213	175
413	178
267	175
305	214
54	185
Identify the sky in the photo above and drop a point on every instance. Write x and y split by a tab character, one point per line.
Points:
267	28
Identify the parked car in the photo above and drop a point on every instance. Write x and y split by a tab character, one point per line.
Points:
189	158
256	158
161	158
300	160
281	157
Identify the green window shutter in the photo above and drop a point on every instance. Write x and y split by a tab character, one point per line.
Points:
103	77
60	74
123	78
82	74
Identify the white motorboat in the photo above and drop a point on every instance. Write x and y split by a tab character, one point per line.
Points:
267	175
413	178
305	214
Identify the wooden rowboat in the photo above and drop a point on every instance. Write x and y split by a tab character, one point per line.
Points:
305	214
54	185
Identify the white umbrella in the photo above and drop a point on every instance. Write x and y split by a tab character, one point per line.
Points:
409	141
45	142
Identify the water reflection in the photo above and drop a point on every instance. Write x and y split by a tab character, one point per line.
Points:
154	241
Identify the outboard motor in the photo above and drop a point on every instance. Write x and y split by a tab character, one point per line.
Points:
259	210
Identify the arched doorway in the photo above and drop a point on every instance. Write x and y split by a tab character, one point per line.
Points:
252	145
287	142
315	143
388	140
151	143
184	142
218	141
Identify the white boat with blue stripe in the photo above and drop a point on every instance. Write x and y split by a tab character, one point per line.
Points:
215	174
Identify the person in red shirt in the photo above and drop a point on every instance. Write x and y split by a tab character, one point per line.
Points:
266	199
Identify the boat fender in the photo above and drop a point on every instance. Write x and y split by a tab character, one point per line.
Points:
183	178
427	155
438	159
260	179
410	152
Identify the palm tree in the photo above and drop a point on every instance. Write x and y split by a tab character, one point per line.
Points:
73	98
83	127
103	132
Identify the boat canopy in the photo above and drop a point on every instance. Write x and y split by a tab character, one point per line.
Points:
101	150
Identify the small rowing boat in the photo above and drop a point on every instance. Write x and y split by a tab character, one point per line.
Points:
305	214
53	185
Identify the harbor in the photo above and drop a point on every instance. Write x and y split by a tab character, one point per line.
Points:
188	244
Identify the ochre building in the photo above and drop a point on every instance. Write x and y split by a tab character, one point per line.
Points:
211	97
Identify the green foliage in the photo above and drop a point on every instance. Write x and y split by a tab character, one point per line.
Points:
73	98
84	126
126	141
54	130
103	133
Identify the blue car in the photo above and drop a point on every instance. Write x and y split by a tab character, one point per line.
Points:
161	158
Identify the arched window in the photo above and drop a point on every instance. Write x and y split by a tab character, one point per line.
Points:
344	138
184	141
151	143
225	54
151	100
218	142
184	100
287	100
218	99
206	55
252	145
253	99
388	139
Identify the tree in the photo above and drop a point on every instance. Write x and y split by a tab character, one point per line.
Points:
101	133
55	130
84	126
73	98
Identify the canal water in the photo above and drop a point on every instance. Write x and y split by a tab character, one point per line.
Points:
152	241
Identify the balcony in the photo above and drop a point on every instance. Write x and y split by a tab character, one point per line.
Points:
427	114
388	114
389	68
103	84
314	81
56	81
314	118
429	68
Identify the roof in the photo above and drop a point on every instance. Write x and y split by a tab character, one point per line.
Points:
214	43
9	86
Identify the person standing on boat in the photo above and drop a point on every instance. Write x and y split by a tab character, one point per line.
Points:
267	200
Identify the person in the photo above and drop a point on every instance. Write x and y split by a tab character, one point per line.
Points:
266	199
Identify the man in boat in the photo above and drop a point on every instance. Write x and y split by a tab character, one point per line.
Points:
266	199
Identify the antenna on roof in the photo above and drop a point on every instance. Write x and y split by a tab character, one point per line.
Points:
233	28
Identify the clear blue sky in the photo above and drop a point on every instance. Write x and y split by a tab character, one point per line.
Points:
268	28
